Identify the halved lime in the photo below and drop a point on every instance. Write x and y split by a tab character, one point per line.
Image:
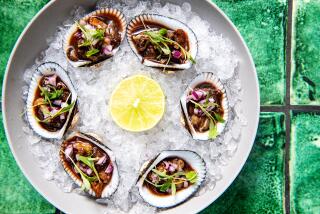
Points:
137	104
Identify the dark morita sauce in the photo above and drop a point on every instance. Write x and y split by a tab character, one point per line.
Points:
150	52
187	168
86	148
58	122
216	94
113	34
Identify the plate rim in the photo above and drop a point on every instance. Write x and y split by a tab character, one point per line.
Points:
199	207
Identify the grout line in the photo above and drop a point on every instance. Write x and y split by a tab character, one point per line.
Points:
287	106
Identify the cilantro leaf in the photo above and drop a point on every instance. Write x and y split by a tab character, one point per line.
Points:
192	176
173	188
213	132
89	162
218	117
92	52
165	186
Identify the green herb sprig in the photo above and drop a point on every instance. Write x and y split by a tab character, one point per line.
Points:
86	180
48	96
90	36
89	162
61	111
160	41
213	132
170	181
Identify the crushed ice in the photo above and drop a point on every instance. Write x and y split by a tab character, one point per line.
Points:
94	86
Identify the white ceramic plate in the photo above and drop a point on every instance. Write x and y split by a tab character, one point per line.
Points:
32	42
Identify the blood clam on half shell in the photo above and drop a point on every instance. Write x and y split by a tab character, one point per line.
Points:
160	41
95	38
90	164
185	169
51	102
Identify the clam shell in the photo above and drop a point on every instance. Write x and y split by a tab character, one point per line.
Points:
168	22
106	11
94	139
49	68
192	158
204	77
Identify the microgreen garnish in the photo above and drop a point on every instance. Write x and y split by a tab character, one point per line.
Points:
61	111
90	36
89	162
92	52
170	181
160	41
86	180
213	132
48	96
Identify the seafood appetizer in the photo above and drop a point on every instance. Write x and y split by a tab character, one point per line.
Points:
90	164
95	38
205	107
51	103
160	41
171	178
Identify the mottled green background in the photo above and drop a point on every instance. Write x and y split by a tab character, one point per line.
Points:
306	78
260	186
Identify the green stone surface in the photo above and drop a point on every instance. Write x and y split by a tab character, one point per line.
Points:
306	55
259	188
14	16
16	193
262	23
305	163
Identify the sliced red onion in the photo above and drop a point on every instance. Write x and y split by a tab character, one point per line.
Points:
52	80
57	102
62	116
154	178
185	184
202	101
107	50
196	111
68	151
78	35
82	168
167	164
109	169
176	54
171	168
211	100
54	110
89	171
102	160
198	95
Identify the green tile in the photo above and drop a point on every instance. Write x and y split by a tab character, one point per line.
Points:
305	163
14	16
17	195
259	188
306	55
263	25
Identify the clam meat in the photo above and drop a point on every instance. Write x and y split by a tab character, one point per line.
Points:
171	178
90	164
205	107
51	102
95	38
160	41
